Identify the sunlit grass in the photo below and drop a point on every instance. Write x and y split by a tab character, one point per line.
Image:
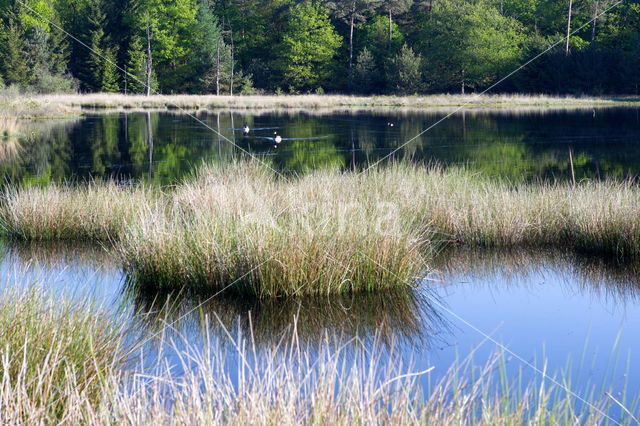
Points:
92	212
60	364
54	354
241	228
52	105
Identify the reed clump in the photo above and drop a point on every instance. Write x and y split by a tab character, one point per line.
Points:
92	212
240	229
51	350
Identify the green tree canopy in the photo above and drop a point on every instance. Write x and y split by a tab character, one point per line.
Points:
308	48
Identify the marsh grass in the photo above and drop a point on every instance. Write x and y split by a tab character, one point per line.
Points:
60	105
291	384
240	228
92	212
50	350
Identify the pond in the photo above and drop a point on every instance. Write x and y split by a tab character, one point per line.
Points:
567	314
574	316
163	147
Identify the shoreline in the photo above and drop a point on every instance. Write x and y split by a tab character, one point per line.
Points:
60	106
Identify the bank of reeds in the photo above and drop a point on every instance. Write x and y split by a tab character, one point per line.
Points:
60	366
56	105
240	228
92	212
51	352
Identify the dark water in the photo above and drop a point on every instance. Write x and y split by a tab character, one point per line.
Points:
164	147
578	316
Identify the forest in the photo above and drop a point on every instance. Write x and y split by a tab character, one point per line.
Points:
400	47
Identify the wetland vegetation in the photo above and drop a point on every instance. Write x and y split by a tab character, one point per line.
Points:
243	228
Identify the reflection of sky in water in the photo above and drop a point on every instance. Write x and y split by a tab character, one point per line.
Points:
580	315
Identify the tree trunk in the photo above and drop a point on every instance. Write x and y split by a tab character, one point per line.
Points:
218	69
232	62
351	25
569	25
595	21
463	82
390	29
149	70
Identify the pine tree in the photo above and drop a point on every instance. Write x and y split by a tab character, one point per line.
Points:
15	67
136	66
102	73
366	76
404	75
110	73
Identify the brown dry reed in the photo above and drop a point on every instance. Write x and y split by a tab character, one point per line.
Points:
240	228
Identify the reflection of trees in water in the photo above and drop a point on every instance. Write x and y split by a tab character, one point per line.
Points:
603	277
59	254
517	145
402	316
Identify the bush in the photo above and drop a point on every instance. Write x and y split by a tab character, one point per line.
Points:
50	83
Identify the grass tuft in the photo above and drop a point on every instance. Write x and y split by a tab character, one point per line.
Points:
93	212
51	353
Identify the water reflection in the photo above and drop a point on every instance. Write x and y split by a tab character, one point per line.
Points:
404	317
604	277
165	146
551	306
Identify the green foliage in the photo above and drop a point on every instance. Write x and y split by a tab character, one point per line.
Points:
101	73
469	44
375	37
404	74
207	46
136	66
308	47
12	53
366	75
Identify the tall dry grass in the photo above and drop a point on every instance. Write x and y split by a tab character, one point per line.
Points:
60	365
52	105
93	212
51	352
238	228
242	227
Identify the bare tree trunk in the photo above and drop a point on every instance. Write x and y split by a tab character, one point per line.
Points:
569	25
150	143
463	82
351	25
232	62
218	69
596	10
149	70
390	29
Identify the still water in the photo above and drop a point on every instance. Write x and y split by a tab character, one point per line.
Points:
164	147
576	316
570	314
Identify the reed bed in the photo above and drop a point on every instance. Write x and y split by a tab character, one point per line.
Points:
240	228
92	212
60	365
39	105
52	351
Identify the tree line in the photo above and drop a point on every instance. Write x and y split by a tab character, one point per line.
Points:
318	46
